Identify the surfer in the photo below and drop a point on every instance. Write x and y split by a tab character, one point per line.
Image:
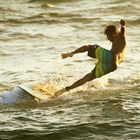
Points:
108	60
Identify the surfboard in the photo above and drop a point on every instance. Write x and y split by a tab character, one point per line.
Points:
29	89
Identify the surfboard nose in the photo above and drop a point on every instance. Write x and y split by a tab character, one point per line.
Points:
17	95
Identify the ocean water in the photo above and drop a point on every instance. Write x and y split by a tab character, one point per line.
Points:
33	34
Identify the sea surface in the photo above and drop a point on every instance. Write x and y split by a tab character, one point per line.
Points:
33	34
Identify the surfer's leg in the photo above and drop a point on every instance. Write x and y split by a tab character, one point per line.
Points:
82	49
92	51
88	77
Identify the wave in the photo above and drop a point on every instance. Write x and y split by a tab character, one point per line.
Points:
7	10
4	87
134	22
49	18
4	53
29	20
89	92
53	1
26	36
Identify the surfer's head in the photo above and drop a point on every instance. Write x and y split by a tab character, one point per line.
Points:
111	31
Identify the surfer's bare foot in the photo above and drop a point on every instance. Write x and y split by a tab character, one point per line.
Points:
65	55
59	92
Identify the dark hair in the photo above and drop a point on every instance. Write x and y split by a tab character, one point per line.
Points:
111	29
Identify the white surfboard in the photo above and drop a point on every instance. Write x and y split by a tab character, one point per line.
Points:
36	94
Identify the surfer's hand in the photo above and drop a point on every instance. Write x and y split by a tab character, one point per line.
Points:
59	92
122	22
65	55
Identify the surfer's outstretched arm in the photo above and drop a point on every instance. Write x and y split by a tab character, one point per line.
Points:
123	23
79	50
88	77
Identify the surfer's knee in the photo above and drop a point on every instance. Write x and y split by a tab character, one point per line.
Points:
92	46
91	50
91	75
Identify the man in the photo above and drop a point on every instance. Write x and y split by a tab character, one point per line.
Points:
108	60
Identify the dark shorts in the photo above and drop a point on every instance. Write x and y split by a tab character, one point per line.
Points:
104	56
